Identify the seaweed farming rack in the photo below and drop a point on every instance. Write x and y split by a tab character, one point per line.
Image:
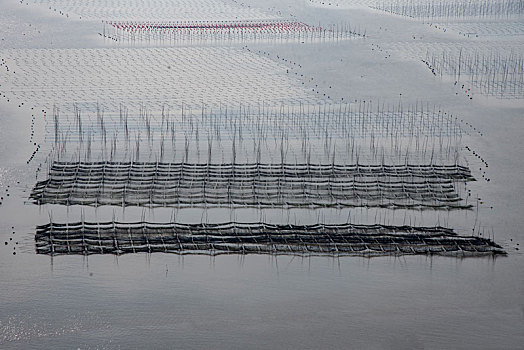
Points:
255	185
492	73
189	31
437	9
87	238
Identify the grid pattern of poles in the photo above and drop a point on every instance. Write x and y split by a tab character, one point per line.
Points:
262	185
346	239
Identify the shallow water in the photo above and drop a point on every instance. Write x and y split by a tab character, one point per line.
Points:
255	301
166	301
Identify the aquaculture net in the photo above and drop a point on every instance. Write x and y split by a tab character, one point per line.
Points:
261	238
259	185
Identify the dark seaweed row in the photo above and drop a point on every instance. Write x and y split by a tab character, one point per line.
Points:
160	170
264	185
346	239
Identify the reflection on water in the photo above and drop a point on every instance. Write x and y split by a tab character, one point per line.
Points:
255	301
